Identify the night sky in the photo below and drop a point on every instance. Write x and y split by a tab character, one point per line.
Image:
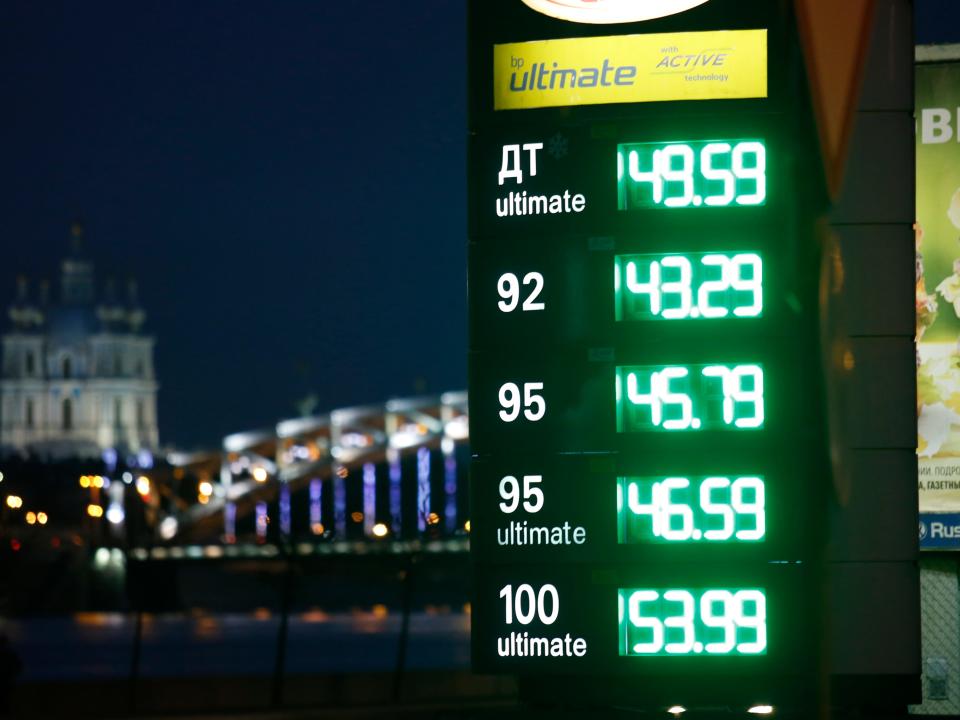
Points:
286	180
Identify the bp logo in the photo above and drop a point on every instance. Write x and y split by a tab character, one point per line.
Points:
923	530
611	11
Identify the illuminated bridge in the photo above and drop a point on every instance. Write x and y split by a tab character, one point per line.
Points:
354	479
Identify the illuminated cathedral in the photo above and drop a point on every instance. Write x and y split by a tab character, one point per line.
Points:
77	375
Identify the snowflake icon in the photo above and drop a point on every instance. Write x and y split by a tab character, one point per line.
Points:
558	146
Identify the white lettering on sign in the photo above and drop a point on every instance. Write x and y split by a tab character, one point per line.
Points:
521	203
520	533
518	644
937	125
510	162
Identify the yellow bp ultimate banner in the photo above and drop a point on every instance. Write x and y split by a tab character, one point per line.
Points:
721	64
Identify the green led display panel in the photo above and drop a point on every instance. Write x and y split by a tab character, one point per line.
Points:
716	509
685	621
719	173
689	397
688	286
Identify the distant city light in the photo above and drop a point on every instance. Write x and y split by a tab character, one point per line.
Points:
115	514
143	485
84	481
42	518
168	528
380	530
317	528
94	511
356	516
101	558
145	459
205	487
761	710
127	478
259	474
1	477
676	710
458	428
466	526
97	481
433	519
14	501
31	518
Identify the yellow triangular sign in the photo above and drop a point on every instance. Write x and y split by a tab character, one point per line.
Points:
835	36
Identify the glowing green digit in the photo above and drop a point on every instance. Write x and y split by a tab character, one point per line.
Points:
639	621
651	288
753	284
756	621
680	287
757	173
755	508
652	508
711	508
669	509
652	398
721	621
684	621
711	173
713	286
652	176
662	382
754	397
684	174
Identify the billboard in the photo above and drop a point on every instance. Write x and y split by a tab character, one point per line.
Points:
938	296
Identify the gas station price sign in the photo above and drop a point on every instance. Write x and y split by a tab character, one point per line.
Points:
718	173
633	372
689	397
681	621
713	509
686	287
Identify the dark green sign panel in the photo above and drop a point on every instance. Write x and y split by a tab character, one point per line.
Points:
648	467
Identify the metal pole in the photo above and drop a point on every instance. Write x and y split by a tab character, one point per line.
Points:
407	581
279	668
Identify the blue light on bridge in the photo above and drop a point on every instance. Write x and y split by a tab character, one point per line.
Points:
369	498
423	487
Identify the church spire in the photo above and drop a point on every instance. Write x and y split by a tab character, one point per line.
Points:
76	273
